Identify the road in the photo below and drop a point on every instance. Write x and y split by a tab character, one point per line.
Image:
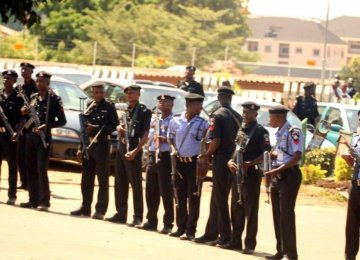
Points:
29	234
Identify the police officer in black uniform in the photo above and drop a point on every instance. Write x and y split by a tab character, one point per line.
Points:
28	88
224	124
353	212
128	158
158	174
49	108
306	106
189	84
10	105
286	180
258	143
101	121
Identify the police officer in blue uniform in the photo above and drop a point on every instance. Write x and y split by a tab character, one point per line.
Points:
185	133
128	158
28	88
189	84
258	143
10	105
158	174
49	108
286	180
101	121
353	212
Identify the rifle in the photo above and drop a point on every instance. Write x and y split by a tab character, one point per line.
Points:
267	167
343	140
121	107
7	125
157	134
173	176
34	118
201	170
84	137
242	140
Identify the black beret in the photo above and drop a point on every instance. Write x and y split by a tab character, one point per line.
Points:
43	74
225	90
279	109
10	73
194	97
27	65
163	97
133	86
251	105
193	68
309	85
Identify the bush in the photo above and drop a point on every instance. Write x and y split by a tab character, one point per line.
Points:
342	170
312	173
321	157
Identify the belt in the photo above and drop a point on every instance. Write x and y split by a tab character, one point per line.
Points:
187	159
3	130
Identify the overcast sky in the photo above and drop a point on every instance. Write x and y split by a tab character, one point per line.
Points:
304	8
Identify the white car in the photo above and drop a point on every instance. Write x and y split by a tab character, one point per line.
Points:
75	75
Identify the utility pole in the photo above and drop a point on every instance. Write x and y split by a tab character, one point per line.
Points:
323	70
94	53
226	53
133	55
193	57
36	48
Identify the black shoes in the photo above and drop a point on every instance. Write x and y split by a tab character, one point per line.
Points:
166	230
98	215
203	239
147	226
11	201
81	212
232	245
217	242
188	237
116	219
277	256
177	233
43	208
248	251
28	205
134	223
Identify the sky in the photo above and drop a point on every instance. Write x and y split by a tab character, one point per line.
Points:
306	9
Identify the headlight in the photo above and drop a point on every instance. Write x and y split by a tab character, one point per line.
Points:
64	132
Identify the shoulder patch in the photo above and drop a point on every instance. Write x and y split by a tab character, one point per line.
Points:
295	134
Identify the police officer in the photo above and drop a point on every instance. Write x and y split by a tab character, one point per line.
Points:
350	88
224	124
185	133
28	88
353	212
158	174
49	109
102	120
258	143
189	84
286	180
306	106
128	158
10	105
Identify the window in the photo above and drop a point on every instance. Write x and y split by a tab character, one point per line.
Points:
354	47
284	50
316	52
253	46
283	62
333	116
268	48
298	50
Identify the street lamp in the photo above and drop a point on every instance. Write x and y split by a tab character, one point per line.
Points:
325	47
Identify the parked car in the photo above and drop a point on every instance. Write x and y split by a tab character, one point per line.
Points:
75	75
340	116
156	83
114	89
263	117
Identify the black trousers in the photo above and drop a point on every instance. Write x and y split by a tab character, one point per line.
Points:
158	184
248	211
37	159
353	223
187	214
96	165
9	152
221	190
211	229
21	159
128	172
283	197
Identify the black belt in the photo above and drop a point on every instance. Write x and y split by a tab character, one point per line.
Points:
161	154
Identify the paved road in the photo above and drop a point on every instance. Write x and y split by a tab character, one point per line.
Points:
29	234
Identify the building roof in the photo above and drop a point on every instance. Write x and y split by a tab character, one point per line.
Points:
290	29
4	30
345	26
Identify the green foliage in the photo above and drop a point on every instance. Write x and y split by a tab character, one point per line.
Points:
321	157
342	170
312	173
352	70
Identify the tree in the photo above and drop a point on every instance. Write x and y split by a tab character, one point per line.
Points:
352	70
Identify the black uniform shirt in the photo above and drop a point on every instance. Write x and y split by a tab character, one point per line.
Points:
306	107
224	127
138	119
102	114
11	105
29	88
192	87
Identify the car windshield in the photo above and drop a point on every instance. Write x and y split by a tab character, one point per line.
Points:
352	117
69	93
78	79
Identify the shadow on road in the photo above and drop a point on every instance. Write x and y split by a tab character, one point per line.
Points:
64	167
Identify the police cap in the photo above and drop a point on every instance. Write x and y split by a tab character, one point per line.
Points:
309	84
27	65
10	73
225	90
164	97
97	85
278	110
193	68
194	97
43	74
251	105
133	87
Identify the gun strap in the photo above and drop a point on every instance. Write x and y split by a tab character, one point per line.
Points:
47	111
234	117
132	121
